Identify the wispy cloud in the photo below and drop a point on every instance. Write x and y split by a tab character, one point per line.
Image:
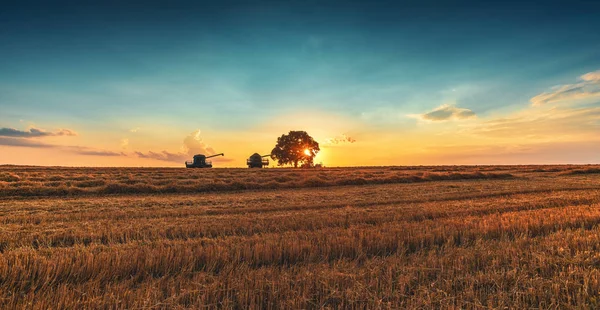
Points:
548	124
34	133
136	129
551	122
588	87
446	112
92	152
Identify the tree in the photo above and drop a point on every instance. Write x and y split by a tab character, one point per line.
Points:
295	147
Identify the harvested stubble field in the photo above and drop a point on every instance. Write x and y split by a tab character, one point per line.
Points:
389	237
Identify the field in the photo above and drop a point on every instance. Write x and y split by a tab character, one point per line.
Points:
386	237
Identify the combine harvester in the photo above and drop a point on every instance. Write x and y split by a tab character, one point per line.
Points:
200	161
257	161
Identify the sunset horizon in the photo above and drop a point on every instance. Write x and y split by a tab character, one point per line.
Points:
413	83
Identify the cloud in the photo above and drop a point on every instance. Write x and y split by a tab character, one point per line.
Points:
192	145
544	122
591	76
92	152
550	123
65	132
164	156
136	129
447	112
34	133
24	143
81	150
21	138
588	87
342	139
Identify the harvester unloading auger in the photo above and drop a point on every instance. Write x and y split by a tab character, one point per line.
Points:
257	161
200	161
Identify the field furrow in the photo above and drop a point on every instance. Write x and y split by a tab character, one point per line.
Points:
528	240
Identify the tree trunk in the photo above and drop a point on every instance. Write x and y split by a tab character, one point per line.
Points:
295	164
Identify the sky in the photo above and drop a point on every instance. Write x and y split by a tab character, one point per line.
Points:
143	83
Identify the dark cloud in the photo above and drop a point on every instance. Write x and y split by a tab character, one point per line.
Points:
34	132
24	143
447	112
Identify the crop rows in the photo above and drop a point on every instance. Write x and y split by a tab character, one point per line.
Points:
528	240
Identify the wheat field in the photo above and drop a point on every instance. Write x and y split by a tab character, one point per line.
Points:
388	237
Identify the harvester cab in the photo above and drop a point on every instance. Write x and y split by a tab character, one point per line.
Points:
258	161
200	161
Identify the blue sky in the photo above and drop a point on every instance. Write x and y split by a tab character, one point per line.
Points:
103	69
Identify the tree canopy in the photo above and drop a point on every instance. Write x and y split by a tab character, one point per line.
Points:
294	148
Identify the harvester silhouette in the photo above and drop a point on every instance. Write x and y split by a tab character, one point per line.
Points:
257	161
200	161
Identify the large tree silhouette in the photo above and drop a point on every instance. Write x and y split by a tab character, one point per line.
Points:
295	147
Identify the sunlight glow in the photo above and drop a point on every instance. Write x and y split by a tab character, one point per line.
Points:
307	152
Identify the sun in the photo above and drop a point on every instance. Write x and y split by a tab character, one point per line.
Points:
307	152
